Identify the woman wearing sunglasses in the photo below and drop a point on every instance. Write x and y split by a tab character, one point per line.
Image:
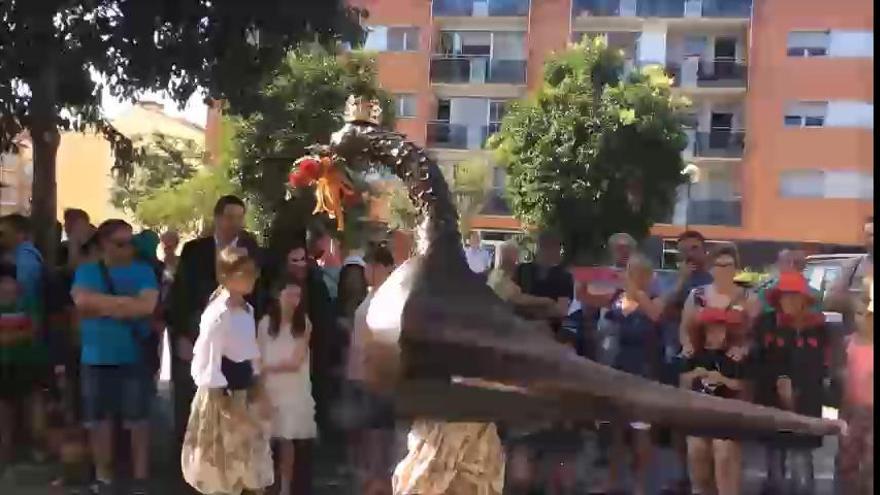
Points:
723	293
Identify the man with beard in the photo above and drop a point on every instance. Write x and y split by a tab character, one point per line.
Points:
193	284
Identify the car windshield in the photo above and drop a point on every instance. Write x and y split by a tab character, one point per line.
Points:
822	275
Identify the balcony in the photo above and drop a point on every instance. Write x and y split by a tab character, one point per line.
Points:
722	73
446	135
663	8
693	72
480	8
462	69
660	8
719	143
727	8
496	204
604	8
714	212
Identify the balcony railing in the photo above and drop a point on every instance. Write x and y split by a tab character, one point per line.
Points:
727	8
496	204
447	136
661	8
442	134
480	8
722	73
600	8
715	212
720	143
455	69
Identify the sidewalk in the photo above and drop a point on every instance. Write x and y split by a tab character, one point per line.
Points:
330	477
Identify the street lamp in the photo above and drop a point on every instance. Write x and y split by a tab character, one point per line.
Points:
693	176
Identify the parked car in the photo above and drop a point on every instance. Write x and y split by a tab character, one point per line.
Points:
824	270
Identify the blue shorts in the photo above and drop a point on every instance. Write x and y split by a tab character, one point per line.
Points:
110	392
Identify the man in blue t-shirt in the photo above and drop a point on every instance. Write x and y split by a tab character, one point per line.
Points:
115	298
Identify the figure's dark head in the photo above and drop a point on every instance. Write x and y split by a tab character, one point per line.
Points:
14	229
692	248
549	249
229	212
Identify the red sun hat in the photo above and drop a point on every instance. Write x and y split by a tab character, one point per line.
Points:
790	283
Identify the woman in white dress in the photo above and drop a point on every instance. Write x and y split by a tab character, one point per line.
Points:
283	337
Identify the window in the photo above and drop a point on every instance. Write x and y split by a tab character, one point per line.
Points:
405	105
827	184
497	109
806	114
444	110
808	43
801	184
392	39
403	39
499	178
852	44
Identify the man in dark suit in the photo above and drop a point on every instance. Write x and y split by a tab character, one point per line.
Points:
195	281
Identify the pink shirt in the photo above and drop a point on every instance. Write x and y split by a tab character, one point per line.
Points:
860	373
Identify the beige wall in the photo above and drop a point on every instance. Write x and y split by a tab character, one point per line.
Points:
85	161
83	170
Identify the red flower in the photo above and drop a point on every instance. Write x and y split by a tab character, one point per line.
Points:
298	179
310	168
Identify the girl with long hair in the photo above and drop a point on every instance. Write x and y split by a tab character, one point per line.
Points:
283	336
226	447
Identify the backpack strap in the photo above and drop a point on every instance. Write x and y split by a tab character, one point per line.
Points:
700	296
108	280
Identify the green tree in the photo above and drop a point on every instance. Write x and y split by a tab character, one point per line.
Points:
595	151
302	104
163	162
187	205
470	190
56	57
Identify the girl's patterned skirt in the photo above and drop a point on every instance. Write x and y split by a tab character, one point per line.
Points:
226	448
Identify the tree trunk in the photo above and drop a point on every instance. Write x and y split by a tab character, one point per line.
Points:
46	138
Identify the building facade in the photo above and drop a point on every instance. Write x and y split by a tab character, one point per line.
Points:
782	97
16	177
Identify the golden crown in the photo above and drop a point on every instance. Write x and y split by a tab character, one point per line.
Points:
361	110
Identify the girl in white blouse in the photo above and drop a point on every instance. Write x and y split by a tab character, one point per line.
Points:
283	337
226	448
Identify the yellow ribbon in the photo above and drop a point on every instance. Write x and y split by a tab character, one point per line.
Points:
331	187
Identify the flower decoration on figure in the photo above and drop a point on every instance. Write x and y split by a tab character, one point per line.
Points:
332	187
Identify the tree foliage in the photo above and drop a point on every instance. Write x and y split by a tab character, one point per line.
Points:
57	57
163	163
187	205
302	104
470	191
595	151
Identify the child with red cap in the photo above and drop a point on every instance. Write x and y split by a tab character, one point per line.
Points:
715	464
792	365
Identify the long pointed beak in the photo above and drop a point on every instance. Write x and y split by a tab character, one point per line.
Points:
456	331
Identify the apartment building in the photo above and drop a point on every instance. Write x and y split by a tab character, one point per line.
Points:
781	120
16	176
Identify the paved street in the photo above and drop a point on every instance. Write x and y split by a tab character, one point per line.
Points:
331	475
331	478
